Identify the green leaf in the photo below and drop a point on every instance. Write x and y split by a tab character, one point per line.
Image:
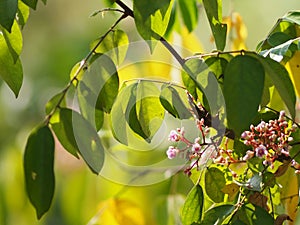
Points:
172	102
213	10
254	215
152	20
243	89
217	215
31	3
214	183
282	82
189	12
53	102
8	10
102	80
75	132
87	100
114	45
193	206
22	14
10	71
292	17
38	169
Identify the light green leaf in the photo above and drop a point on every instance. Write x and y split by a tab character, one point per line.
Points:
38	169
75	131
172	102
217	215
214	183
31	3
152	20
213	10
10	71
8	10
114	45
22	14
193	206
189	12
243	89
53	102
282	82
293	17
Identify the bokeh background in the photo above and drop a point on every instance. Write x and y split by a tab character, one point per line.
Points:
55	38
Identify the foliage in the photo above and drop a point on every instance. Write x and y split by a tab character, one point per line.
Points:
242	154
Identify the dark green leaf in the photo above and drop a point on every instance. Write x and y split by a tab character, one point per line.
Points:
254	215
8	10
189	12
243	89
217	215
172	102
213	10
53	102
102	80
282	82
75	132
152	20
193	206
38	168
31	3
10	71
115	45
214	182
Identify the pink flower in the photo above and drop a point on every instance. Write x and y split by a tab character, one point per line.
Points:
172	152
260	151
196	147
174	136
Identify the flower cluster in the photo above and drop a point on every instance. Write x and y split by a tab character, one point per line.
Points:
269	140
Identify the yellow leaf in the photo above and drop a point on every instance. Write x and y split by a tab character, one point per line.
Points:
190	43
231	189
293	66
118	212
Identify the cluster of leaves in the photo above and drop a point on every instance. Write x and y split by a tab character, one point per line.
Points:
235	89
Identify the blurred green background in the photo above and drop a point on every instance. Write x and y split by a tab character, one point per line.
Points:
55	38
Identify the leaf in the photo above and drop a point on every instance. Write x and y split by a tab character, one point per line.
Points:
231	190
38	169
152	20
282	82
189	13
292	16
213	10
10	71
171	101
193	206
214	183
31	3
293	66
102	80
114	45
53	102
243	89
119	212
75	133
217	215
22	14
8	10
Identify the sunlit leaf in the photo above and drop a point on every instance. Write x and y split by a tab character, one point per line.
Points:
243	89
217	215
114	45
193	206
214	183
8	10
118	212
231	190
10	71
76	134
171	101
152	20
189	12
292	16
53	102
190	43
293	66
38	168
213	10
77	72
22	14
